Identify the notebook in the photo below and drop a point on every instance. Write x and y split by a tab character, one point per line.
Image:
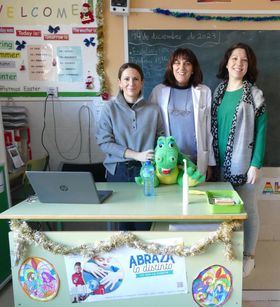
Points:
66	187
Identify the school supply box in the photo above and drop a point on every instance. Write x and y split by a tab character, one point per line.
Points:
224	201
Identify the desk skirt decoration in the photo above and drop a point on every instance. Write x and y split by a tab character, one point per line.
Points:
199	266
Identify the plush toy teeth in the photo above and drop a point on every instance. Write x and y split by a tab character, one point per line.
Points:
166	171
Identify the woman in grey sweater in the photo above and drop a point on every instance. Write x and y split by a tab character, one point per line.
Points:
128	127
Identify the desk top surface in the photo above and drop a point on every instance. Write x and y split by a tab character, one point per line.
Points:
127	204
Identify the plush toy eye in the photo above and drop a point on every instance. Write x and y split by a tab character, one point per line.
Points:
158	159
172	159
160	145
171	144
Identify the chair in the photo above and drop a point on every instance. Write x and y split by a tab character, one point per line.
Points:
25	188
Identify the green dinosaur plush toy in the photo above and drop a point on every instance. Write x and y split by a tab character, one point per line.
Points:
169	165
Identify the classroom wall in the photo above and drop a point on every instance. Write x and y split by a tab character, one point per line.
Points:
67	111
114	49
114	39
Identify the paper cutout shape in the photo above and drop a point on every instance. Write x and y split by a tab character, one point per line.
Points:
20	45
86	15
54	30
38	279
89	42
89	81
213	286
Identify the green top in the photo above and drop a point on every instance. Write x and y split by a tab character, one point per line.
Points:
226	111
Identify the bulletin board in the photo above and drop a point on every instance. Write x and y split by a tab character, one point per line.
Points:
45	45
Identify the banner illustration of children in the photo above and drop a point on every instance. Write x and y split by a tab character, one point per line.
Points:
125	273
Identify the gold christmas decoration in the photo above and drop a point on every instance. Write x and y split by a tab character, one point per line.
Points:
25	236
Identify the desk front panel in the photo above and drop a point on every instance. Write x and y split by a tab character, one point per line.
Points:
214	255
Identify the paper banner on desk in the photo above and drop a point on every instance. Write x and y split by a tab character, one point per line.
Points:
269	189
125	273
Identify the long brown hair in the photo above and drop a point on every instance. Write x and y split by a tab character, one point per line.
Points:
252	72
185	53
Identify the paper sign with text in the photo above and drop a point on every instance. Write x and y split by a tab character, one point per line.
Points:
125	273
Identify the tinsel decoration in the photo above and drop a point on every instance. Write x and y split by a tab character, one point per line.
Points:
25	236
100	48
217	18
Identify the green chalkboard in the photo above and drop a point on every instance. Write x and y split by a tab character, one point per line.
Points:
151	49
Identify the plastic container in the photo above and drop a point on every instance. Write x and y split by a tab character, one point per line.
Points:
148	177
219	201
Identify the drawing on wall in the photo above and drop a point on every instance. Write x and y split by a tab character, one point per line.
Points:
269	189
212	286
38	279
56	53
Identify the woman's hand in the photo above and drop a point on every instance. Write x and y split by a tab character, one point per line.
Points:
252	174
111	279
141	156
95	270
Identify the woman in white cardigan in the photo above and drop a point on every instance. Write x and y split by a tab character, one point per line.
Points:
185	105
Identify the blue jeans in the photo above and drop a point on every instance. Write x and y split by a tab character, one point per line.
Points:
126	172
252	224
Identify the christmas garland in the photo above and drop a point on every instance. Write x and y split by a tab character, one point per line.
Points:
25	236
217	18
100	49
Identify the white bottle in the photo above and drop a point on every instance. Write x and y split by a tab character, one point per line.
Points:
185	188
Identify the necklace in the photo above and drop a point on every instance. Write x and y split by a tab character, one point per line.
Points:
180	112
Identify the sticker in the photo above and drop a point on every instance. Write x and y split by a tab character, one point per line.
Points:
38	279
213	286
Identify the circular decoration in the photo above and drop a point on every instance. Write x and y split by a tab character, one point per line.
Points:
38	279
102	275
213	286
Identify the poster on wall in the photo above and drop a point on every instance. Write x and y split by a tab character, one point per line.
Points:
269	189
125	273
50	45
213	1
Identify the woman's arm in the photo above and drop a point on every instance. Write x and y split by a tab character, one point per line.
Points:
105	135
259	149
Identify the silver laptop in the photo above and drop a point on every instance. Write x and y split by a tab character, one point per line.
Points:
66	187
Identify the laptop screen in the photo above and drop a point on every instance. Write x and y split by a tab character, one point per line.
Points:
66	187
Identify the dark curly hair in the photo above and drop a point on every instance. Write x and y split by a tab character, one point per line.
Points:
185	53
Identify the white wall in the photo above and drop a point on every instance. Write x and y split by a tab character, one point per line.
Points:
67	129
269	209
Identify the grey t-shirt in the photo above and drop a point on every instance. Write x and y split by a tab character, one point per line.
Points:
181	121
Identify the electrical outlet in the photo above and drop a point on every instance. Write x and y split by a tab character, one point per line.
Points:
52	91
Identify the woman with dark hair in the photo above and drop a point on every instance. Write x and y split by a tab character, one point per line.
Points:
128	129
185	105
238	126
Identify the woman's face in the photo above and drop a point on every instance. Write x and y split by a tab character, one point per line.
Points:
131	84
237	64
182	71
